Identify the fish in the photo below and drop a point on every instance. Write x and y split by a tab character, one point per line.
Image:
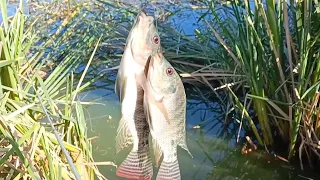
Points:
163	84
142	42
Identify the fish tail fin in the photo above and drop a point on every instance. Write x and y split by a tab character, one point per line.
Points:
137	165
169	171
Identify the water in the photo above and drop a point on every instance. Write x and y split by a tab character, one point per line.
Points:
12	8
216	154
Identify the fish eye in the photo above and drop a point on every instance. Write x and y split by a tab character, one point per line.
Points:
169	71
156	39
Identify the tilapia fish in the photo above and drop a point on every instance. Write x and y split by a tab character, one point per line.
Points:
142	42
164	86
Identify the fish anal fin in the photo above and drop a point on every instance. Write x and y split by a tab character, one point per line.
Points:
157	151
124	137
184	146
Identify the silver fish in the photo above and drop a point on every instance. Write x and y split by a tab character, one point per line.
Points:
164	86
142	42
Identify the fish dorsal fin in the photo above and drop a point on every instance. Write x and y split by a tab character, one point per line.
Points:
156	151
124	137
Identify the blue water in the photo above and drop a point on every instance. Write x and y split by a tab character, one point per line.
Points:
12	8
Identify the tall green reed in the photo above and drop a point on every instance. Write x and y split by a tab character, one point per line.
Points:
270	48
277	45
37	111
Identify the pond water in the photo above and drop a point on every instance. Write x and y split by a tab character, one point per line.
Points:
215	152
12	7
216	155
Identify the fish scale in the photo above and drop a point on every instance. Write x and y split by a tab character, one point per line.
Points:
142	42
164	86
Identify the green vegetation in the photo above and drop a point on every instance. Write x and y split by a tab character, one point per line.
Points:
262	55
42	126
276	46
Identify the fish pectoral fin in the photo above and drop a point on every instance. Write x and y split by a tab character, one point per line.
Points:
163	110
124	137
158	100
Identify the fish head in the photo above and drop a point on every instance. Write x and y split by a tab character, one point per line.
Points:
145	39
162	76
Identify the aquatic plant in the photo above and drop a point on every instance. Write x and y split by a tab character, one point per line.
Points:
43	131
276	46
264	54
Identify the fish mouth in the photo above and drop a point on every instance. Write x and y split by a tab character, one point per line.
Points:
142	14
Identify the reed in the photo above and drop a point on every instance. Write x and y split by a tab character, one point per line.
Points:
276	46
43	131
267	49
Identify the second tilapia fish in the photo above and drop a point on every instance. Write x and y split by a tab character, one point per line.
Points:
142	42
164	86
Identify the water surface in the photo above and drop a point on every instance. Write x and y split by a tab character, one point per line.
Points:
216	155
215	152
